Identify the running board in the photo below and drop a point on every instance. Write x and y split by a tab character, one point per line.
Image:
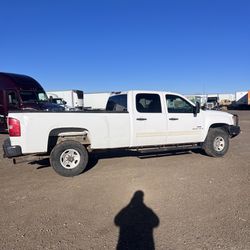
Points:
168	148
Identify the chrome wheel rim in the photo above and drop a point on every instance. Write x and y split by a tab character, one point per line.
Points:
70	158
219	143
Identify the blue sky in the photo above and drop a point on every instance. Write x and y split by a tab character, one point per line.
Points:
191	46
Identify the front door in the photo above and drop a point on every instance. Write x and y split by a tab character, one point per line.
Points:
149	120
183	125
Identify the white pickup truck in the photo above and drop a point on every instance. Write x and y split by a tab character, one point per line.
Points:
132	120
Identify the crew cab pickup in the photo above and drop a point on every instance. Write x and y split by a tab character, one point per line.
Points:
132	120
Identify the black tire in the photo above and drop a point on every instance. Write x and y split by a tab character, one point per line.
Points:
69	158
217	142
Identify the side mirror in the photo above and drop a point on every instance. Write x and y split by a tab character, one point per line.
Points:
197	108
64	102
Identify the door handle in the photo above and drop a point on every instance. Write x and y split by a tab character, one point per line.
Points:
141	119
173	119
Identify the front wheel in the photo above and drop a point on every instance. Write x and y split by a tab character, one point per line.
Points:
217	142
69	158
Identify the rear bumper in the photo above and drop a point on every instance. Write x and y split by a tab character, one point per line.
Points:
234	130
11	151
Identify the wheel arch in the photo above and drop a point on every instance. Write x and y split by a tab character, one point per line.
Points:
58	135
224	126
209	126
219	125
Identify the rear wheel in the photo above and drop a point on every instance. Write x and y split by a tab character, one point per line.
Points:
69	158
217	142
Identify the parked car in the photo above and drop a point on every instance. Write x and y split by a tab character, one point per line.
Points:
59	101
132	120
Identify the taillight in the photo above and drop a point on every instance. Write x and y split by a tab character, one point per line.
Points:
14	127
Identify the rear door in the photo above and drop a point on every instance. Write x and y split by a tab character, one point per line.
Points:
149	120
183	125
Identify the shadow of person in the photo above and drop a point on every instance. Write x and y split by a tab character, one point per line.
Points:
136	222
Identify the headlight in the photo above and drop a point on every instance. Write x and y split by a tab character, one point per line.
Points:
236	120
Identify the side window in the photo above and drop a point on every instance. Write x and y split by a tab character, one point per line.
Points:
12	99
117	103
176	104
148	103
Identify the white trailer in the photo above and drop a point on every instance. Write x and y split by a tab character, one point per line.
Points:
97	100
73	98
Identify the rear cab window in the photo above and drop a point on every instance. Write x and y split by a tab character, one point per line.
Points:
148	103
117	103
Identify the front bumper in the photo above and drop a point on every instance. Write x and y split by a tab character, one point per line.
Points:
234	130
11	151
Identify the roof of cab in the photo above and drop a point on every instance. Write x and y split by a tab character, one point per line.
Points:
11	80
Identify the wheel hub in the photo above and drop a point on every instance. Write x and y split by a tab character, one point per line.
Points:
219	143
70	158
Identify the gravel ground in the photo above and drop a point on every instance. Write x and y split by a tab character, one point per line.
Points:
185	201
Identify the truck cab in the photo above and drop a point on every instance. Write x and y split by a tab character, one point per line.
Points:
164	118
21	92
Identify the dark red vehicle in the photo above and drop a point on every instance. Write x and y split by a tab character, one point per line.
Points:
21	92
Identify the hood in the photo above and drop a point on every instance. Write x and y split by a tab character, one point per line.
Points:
217	113
51	106
48	106
219	117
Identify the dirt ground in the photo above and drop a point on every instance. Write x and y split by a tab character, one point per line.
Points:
184	201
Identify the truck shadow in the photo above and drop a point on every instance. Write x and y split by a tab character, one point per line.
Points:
117	153
45	163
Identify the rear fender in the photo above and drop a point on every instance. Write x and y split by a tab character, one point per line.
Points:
62	134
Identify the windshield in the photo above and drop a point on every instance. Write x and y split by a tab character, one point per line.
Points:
30	96
42	97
